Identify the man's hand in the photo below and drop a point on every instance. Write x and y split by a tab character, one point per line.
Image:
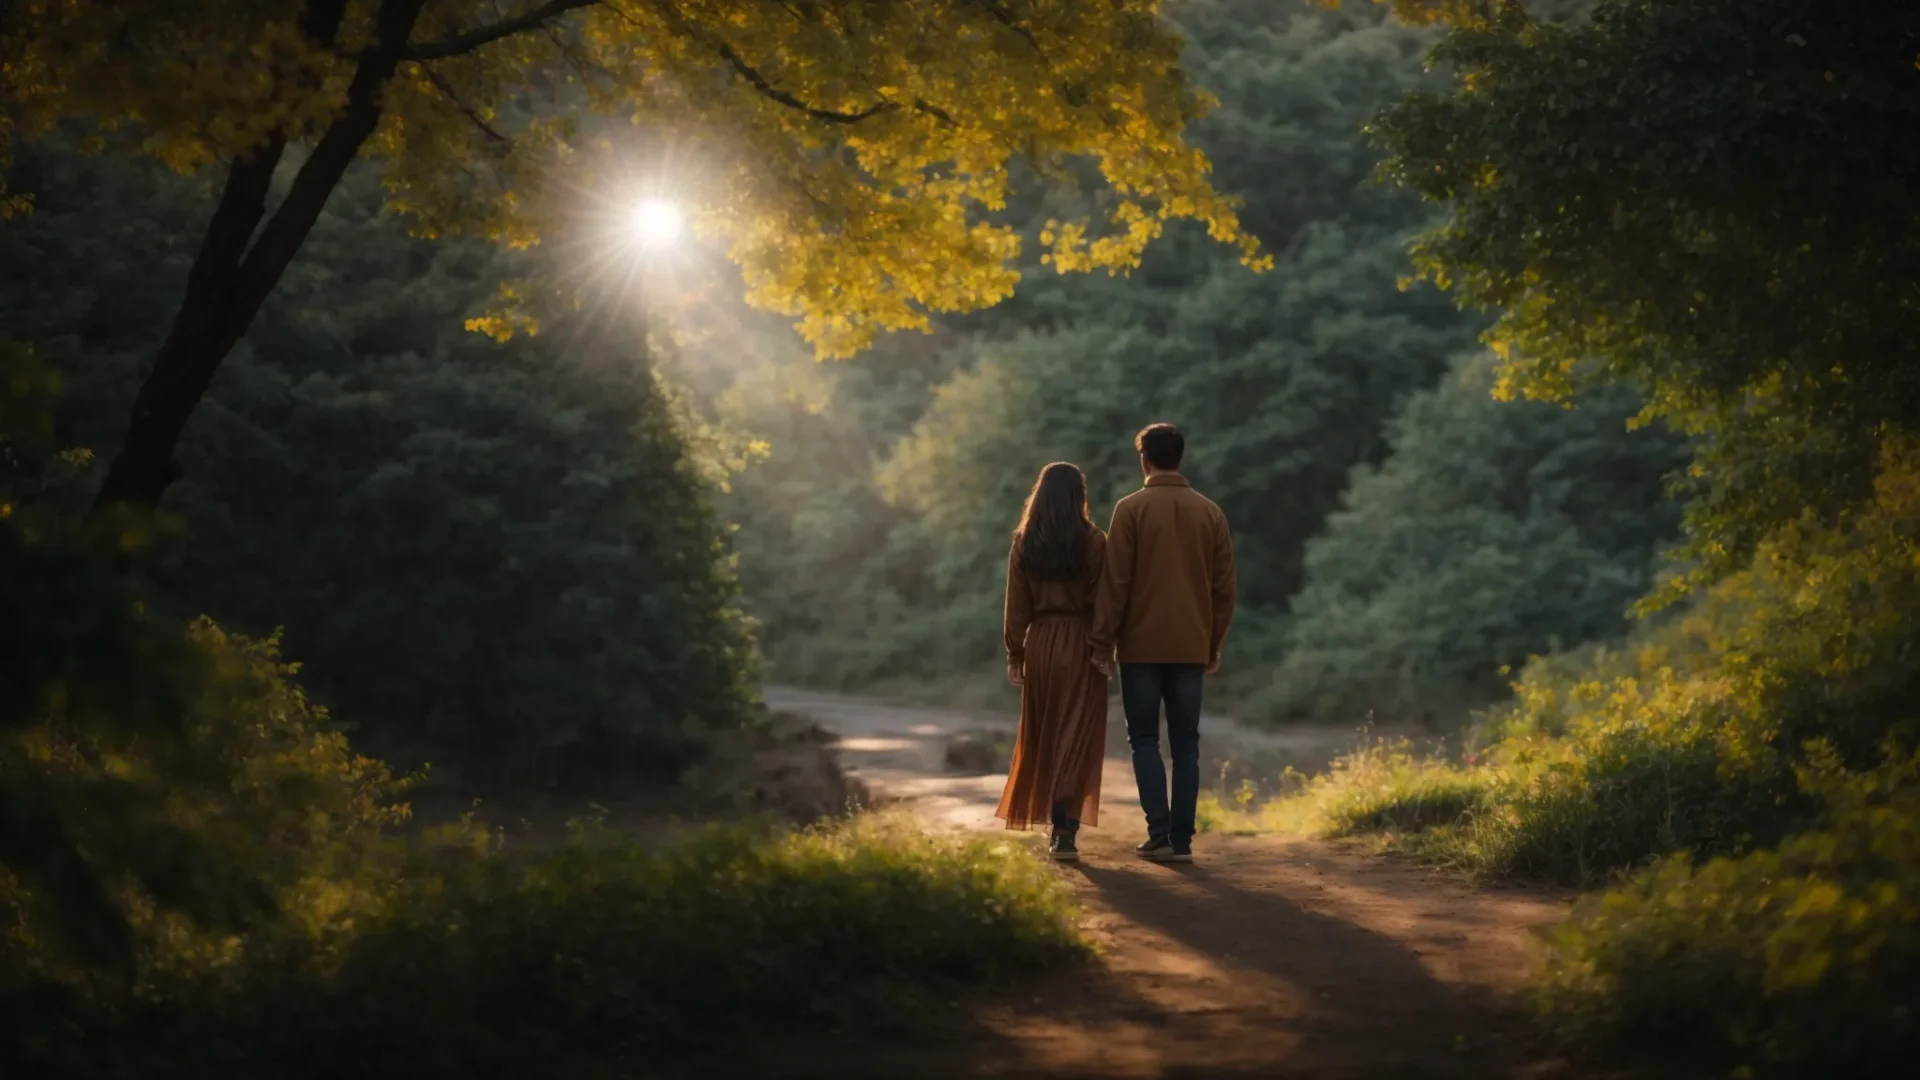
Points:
1016	674
1103	663
1213	666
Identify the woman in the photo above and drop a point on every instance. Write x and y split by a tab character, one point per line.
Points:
1052	573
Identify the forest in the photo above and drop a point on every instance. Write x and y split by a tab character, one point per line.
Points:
1403	536
356	459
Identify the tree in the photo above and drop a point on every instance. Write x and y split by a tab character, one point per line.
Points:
1624	190
841	144
1493	531
500	556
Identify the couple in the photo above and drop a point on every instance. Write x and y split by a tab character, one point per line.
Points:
1158	586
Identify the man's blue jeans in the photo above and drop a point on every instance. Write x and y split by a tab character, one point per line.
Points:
1143	687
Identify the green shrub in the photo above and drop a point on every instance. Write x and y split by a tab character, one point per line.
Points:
474	959
185	846
1802	960
111	784
1388	788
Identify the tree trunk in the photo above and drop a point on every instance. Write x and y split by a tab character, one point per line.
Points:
144	465
229	282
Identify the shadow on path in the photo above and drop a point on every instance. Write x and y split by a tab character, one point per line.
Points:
1219	969
1304	992
1270	957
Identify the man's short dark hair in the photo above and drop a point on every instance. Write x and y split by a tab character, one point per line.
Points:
1162	445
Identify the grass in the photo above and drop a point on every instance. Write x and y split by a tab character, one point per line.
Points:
1539	809
1408	801
481	960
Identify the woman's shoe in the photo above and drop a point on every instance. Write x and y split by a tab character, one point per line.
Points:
1062	848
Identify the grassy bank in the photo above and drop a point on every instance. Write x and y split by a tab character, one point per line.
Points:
283	916
1737	785
464	957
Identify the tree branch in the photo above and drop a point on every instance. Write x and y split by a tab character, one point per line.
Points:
774	93
935	111
336	150
1005	18
463	43
466	110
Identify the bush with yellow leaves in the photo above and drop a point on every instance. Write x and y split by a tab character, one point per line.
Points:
1688	739
1803	959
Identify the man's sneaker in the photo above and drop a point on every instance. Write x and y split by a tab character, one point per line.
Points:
1156	849
1161	849
1062	848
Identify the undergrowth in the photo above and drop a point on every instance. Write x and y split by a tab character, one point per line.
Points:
1795	960
480	962
375	950
1738	783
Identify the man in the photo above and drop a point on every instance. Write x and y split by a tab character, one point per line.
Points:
1165	603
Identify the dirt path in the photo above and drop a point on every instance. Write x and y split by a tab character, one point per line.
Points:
1268	956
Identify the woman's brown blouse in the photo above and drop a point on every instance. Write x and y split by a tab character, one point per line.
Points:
1029	599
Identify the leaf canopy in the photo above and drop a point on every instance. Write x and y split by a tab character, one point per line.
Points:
1715	201
847	154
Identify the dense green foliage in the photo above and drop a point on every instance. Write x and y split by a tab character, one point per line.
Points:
1492	532
199	878
1616	220
499	555
1712	201
1791	955
1689	735
872	538
458	955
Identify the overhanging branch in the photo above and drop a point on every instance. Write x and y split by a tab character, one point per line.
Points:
472	114
768	90
462	43
831	116
1005	18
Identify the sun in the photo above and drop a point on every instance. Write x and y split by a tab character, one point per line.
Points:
657	222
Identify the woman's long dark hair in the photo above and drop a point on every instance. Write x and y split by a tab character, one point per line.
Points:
1054	524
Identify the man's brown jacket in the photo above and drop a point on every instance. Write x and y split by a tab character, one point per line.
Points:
1168	593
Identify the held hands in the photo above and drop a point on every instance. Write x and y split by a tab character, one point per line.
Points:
1103	662
1016	673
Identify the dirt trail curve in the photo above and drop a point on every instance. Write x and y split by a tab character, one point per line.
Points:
1267	957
